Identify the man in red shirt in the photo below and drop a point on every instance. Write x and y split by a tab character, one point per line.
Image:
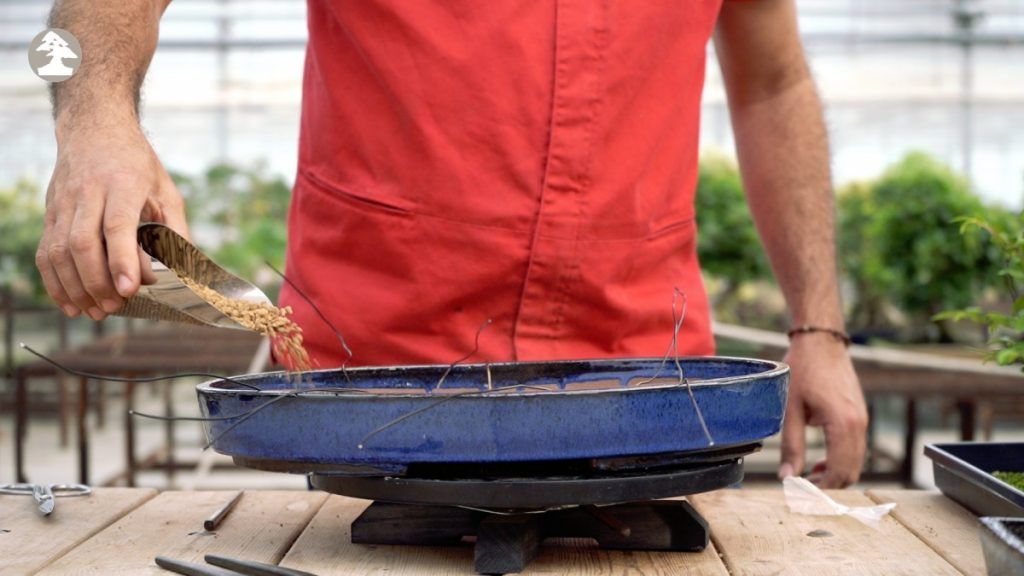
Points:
532	163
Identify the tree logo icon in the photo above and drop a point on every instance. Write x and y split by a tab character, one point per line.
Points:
55	55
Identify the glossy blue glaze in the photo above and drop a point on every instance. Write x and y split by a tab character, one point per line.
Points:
742	401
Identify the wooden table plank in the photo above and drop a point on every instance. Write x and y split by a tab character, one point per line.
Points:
325	548
757	534
949	528
30	541
261	527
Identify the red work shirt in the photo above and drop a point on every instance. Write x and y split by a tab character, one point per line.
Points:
528	162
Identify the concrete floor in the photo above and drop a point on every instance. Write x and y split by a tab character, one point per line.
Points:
46	461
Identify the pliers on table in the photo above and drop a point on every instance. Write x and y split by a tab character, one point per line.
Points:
45	494
233	566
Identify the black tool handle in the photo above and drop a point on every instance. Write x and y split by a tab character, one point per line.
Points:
251	568
190	569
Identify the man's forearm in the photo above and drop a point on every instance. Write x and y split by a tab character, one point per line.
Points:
118	38
107	177
783	151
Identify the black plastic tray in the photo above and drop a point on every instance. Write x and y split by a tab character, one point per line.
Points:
1002	542
963	472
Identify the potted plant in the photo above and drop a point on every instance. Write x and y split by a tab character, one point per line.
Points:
988	477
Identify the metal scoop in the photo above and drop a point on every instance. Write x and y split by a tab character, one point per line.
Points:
169	298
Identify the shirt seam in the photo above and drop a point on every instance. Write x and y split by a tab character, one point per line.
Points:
535	234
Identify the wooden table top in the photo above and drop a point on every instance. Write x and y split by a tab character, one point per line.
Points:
121	530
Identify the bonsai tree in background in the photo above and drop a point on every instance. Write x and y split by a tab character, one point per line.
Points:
21	224
859	258
927	266
1006	330
248	211
728	245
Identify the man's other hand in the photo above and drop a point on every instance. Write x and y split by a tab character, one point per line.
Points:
824	391
107	179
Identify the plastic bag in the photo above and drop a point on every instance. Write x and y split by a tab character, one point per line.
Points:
805	498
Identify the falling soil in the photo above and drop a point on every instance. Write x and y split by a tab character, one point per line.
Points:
264	318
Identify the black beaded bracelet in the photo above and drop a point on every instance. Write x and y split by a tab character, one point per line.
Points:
807	328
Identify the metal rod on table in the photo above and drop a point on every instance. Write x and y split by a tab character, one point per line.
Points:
212	522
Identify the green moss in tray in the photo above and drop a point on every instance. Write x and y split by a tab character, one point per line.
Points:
1015	479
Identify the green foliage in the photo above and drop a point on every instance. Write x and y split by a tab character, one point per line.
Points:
858	257
923	263
728	245
248	208
21	225
1015	479
1006	233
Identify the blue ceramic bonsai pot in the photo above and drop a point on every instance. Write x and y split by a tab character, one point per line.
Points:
387	418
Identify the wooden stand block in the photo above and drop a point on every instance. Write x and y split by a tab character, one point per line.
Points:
508	542
385	523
